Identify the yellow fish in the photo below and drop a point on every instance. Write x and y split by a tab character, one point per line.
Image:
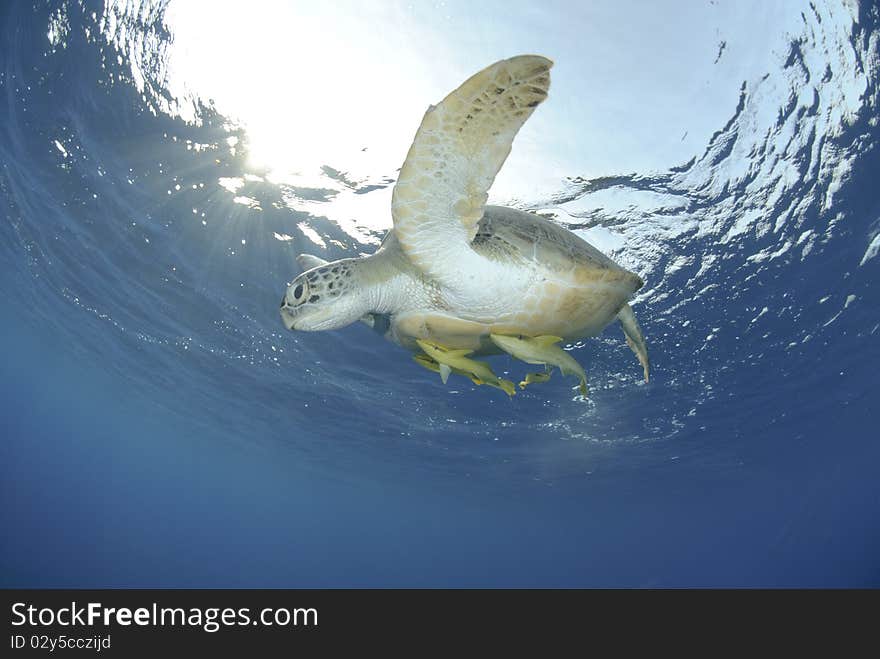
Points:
456	361
542	350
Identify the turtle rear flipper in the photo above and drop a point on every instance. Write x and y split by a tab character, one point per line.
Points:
634	337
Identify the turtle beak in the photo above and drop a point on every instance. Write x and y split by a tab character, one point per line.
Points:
286	316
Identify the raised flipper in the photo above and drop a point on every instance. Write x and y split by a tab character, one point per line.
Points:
634	337
542	350
457	360
443	185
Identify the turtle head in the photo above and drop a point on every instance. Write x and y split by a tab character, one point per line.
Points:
325	297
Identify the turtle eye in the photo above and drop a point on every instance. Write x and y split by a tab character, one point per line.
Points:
298	294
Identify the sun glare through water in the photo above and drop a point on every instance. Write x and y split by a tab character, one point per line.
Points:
304	81
342	87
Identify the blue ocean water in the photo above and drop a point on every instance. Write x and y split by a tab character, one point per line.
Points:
161	428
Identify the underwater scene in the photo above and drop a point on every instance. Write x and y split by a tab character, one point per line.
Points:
163	163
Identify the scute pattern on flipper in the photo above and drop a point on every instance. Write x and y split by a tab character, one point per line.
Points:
461	144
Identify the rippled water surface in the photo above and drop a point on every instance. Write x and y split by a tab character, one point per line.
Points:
164	163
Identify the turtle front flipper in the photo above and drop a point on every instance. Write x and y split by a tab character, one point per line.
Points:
457	361
542	350
634	337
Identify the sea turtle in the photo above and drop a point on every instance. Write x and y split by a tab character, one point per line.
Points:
456	278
